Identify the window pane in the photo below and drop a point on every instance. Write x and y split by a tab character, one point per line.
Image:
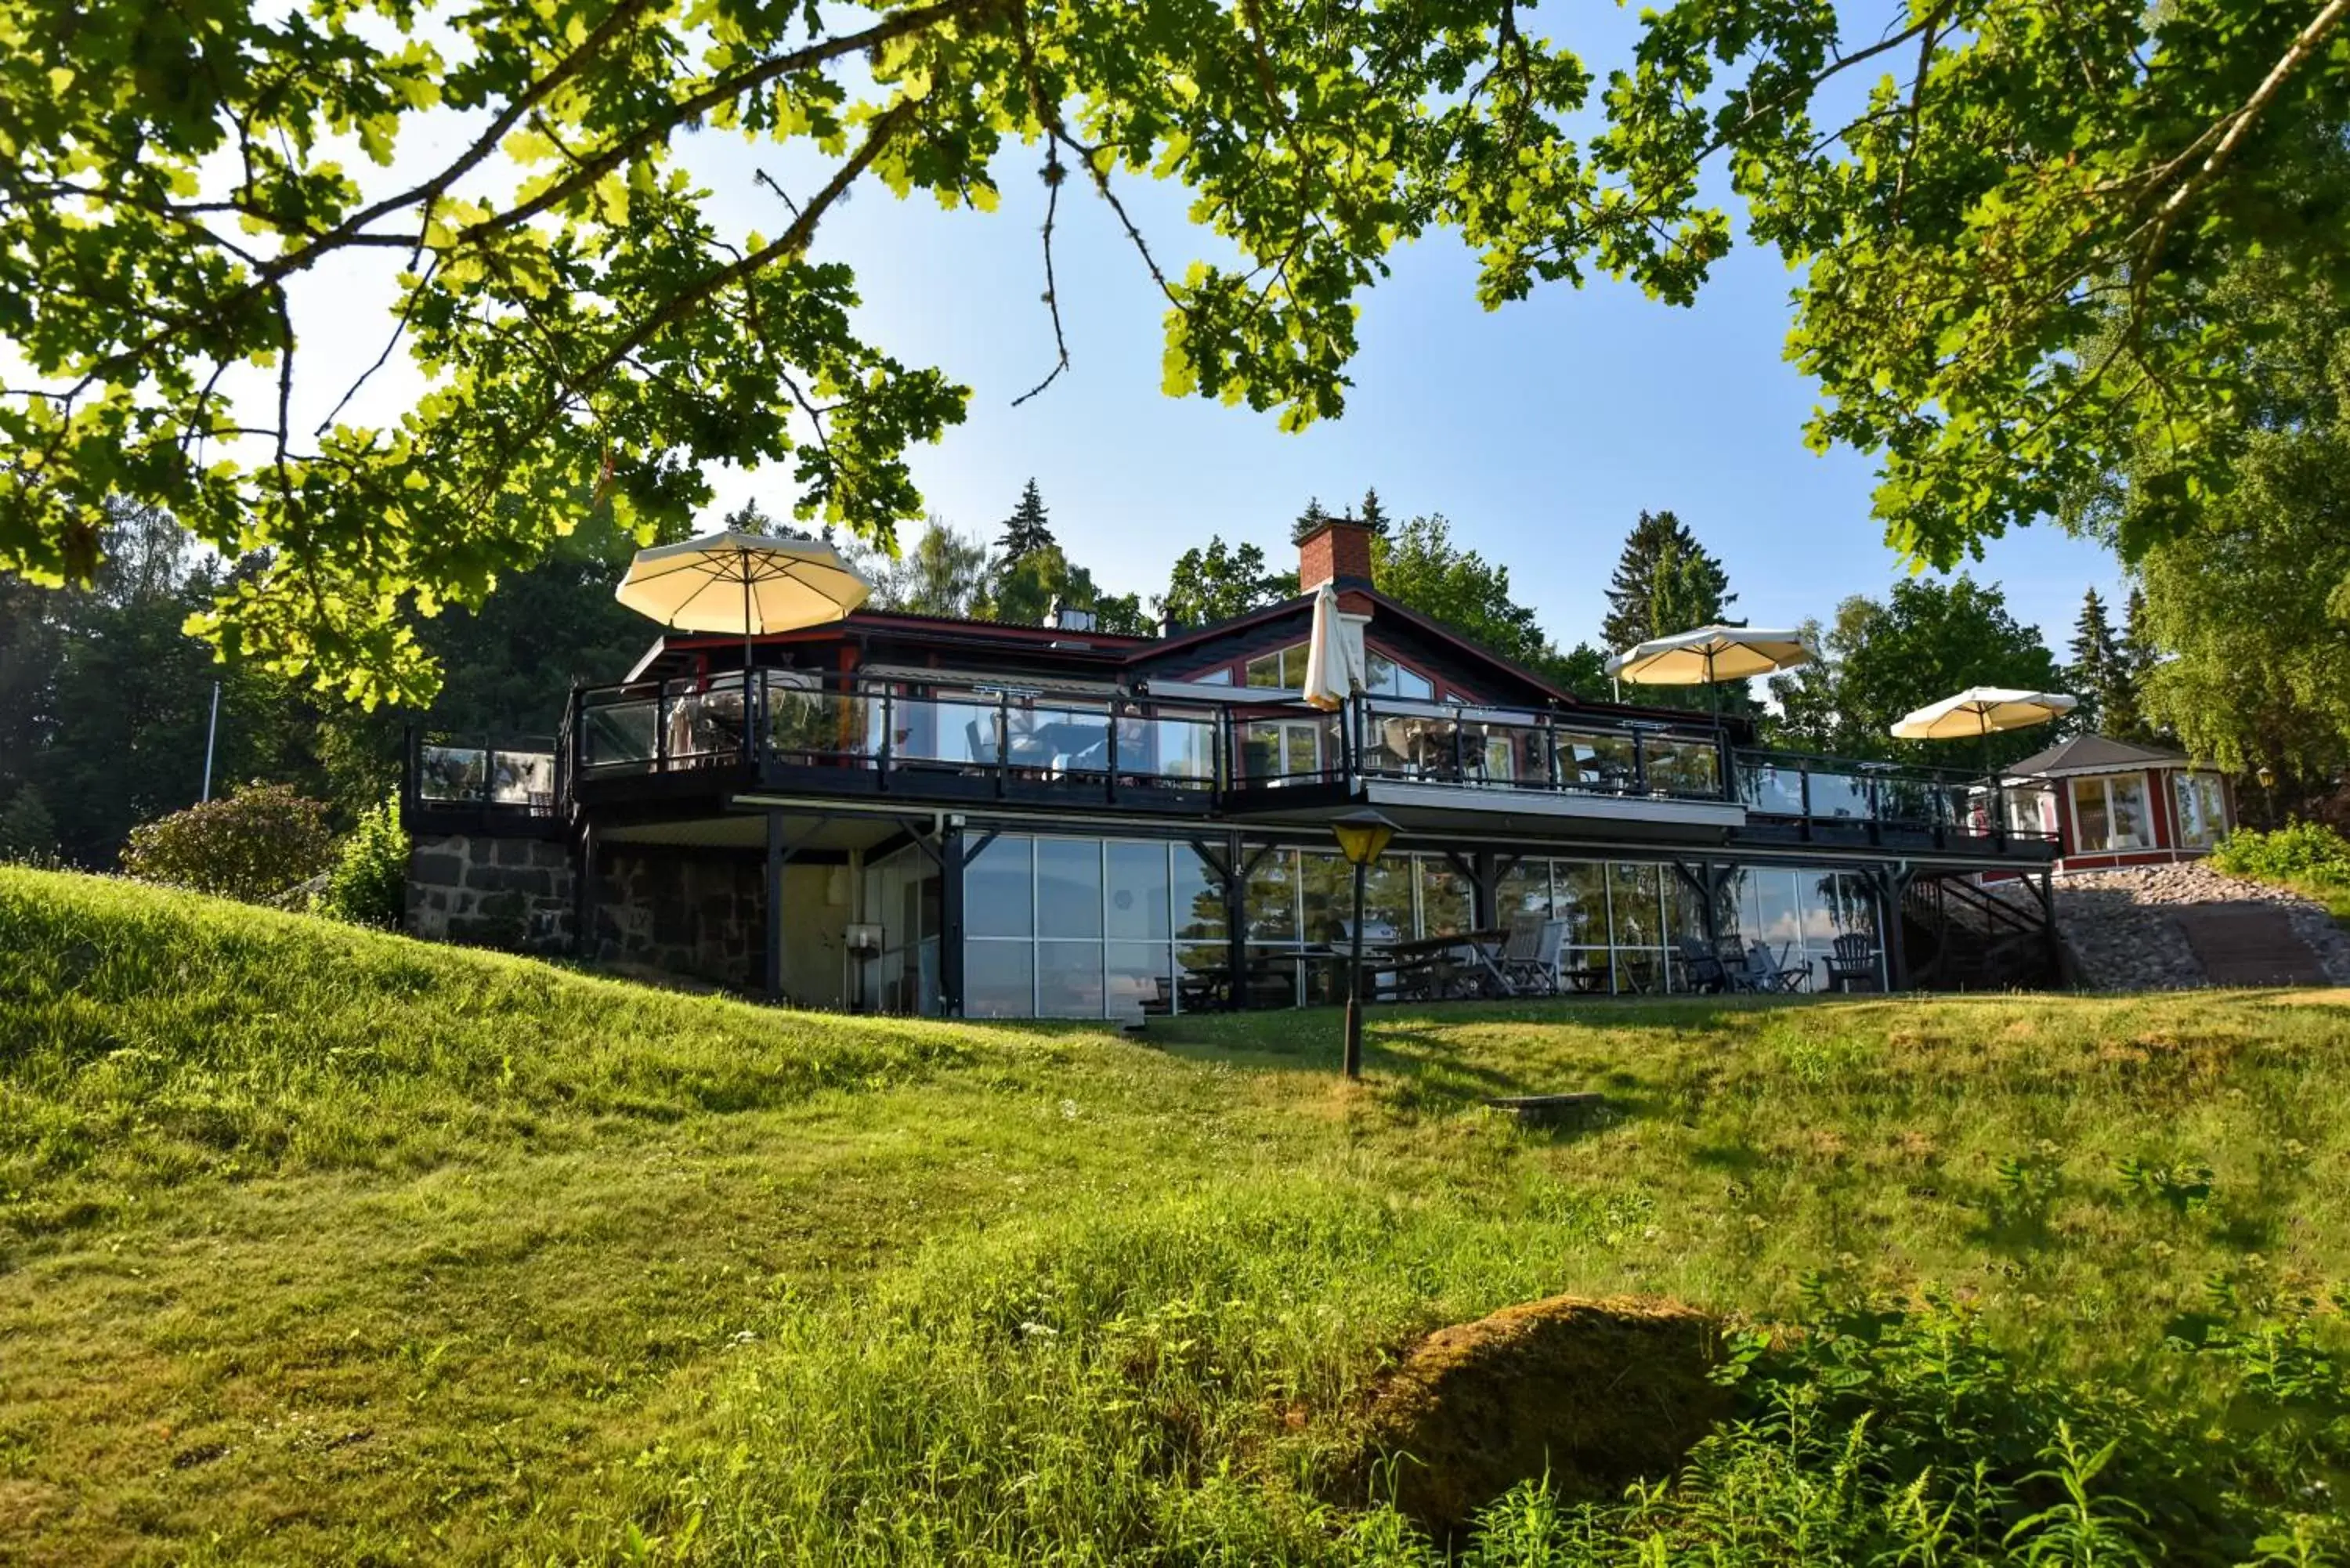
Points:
998	892
1580	896
1524	889
2126	797
1137	891
1379	674
1301	750
1777	914
1273	898
1292	667
1139	976
1264	671
1068	887
997	980
2089	813
1199	897
1068	980
1220	676
1329	896
1408	684
1637	915
1445	903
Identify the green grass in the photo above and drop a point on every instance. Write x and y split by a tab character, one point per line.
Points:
322	1245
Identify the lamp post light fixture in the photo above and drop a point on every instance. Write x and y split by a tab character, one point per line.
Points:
2266	775
1362	836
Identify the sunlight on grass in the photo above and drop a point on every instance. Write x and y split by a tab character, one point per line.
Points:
320	1244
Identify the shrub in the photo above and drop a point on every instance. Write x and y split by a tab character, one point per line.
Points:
253	845
369	883
2297	852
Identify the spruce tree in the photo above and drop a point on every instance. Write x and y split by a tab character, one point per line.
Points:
1310	519
1025	531
2095	664
1373	515
1697	594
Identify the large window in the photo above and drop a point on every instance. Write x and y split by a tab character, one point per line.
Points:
2203	802
1083	928
901	896
1383	676
2109	814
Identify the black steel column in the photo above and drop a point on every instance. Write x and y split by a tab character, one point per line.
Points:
951	922
583	896
1891	883
1236	924
1485	892
774	932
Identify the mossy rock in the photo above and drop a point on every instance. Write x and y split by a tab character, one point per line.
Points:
1594	1394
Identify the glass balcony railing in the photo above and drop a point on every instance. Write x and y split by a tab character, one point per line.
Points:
1008	738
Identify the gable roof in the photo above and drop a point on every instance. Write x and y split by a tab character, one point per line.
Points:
2096	755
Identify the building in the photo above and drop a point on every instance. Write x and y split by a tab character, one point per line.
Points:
907	815
2112	802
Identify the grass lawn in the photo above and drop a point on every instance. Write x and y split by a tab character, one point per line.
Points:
321	1245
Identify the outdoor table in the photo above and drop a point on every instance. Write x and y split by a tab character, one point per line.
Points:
1428	958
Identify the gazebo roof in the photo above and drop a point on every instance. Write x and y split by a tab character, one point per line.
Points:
2095	754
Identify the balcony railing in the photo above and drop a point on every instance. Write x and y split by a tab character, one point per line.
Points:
1006	741
496	774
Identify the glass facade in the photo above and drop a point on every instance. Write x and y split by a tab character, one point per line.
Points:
2109	814
1088	927
1085	927
1383	676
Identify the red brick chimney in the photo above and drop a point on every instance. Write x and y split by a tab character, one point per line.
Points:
1337	552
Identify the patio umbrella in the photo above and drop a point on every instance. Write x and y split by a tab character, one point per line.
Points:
1334	660
1982	711
1709	654
742	582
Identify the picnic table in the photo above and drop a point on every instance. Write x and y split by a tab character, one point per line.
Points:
1428	969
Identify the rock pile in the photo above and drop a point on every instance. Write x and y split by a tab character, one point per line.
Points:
2120	928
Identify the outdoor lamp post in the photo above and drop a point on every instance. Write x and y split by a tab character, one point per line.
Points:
1361	835
2266	775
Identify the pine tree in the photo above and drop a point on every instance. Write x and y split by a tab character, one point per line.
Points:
1698	593
1310	519
1024	531
2096	664
1373	515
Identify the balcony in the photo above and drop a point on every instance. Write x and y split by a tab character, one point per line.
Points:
1268	762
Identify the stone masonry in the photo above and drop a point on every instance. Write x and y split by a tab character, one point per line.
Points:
490	890
702	917
2122	929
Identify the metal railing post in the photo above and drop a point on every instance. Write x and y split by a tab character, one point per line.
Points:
1117	706
1804	795
887	756
1549	733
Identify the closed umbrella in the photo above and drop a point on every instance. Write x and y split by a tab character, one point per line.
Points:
748	583
1709	654
1334	660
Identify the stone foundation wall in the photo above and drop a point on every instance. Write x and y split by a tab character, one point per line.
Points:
703	918
490	890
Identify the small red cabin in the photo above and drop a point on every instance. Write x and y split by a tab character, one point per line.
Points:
2118	803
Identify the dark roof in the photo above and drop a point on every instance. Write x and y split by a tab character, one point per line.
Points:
2097	753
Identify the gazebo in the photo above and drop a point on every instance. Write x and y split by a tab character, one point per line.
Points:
2115	803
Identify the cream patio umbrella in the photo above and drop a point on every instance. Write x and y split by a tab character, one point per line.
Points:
1982	711
1334	660
748	583
1708	655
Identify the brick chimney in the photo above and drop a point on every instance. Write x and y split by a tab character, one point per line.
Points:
1337	552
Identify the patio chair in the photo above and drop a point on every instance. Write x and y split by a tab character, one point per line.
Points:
1530	967
1765	972
1702	967
1851	963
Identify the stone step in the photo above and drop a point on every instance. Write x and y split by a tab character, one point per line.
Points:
2248	944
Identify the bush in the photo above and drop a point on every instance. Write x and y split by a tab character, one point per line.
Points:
253	845
2297	852
369	883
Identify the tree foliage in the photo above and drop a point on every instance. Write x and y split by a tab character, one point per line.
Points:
945	574
1664	582
253	845
176	190
1883	657
1218	581
2249	605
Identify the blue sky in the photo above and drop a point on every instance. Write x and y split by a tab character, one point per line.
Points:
1540	429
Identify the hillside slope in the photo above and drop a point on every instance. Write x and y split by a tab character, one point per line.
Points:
322	1245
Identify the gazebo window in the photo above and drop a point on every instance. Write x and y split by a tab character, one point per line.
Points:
2109	814
2202	809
